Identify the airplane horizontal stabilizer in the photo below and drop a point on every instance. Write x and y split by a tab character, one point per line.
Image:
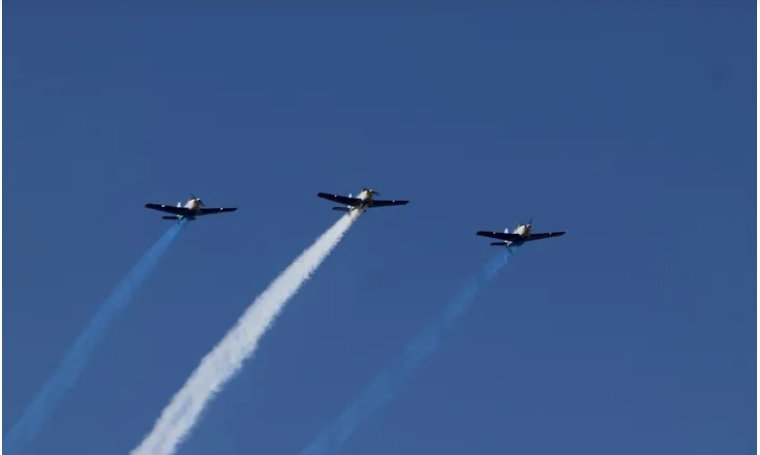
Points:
342	209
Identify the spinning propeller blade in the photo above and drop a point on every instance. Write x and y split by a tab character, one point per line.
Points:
200	202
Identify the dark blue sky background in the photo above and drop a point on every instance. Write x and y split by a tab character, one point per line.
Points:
630	125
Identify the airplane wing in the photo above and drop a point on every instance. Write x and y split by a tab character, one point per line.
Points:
499	235
352	201
544	235
213	210
168	208
376	203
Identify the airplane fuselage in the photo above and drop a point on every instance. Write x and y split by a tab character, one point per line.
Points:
193	204
366	198
523	230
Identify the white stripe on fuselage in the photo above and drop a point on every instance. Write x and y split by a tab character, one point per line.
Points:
522	230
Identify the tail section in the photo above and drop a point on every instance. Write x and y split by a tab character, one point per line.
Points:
173	217
342	209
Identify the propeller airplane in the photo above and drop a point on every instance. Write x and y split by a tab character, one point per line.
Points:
194	207
521	234
363	201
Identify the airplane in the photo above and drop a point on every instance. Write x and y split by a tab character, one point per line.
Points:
192	208
520	235
363	201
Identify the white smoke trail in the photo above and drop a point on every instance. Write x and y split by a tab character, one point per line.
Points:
218	366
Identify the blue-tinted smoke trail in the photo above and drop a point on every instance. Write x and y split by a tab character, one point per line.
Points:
383	387
73	363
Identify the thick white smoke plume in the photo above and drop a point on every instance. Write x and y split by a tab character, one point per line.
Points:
224	361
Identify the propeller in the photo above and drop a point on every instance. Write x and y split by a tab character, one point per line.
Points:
200	202
371	191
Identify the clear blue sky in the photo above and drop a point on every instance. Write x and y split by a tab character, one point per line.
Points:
631	127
